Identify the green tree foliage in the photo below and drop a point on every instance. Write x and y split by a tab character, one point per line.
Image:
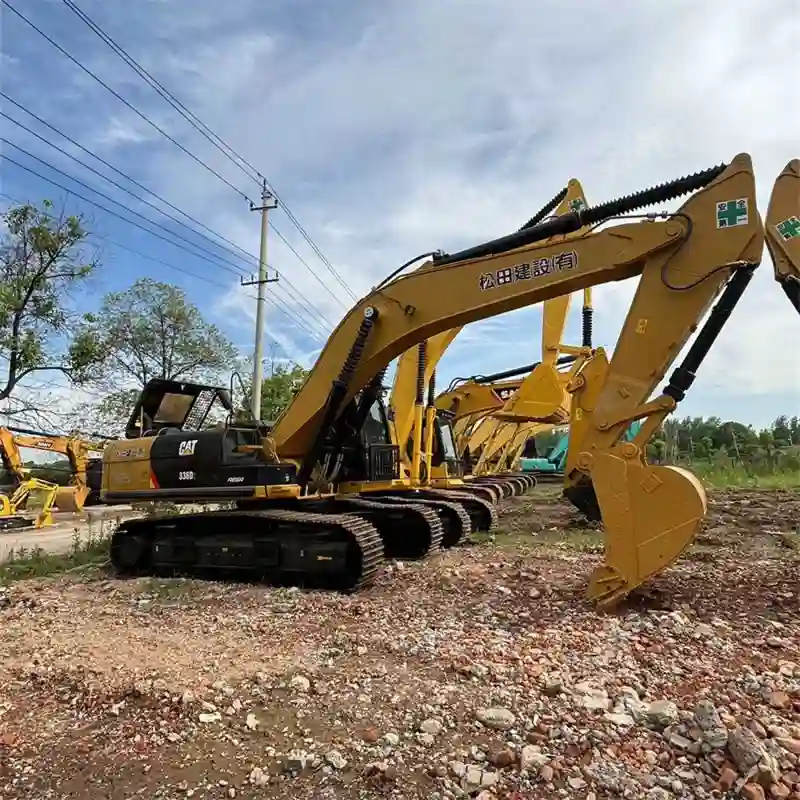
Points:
151	330
42	260
277	388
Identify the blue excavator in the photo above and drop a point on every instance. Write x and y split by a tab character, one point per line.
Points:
555	460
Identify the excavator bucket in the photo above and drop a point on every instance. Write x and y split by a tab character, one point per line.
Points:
71	498
540	396
650	515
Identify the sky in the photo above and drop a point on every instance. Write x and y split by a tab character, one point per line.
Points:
393	128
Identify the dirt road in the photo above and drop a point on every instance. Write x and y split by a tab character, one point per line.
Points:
60	537
481	672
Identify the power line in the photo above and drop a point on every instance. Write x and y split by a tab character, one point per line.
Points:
123	100
124	175
122	188
212	137
224	264
303	302
248	169
276	301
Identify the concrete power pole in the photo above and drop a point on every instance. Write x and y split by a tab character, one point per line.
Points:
268	202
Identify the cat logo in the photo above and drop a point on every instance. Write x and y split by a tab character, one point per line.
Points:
187	448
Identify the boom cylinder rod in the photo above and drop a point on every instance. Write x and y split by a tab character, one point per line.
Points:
683	377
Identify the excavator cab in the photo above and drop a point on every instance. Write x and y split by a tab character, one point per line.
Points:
367	453
164	404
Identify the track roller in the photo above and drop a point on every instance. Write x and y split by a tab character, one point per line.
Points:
456	521
280	546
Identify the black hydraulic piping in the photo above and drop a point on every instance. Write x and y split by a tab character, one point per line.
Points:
574	220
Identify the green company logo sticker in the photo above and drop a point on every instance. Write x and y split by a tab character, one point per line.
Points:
732	213
789	228
578	204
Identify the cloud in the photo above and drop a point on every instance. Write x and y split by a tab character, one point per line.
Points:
397	128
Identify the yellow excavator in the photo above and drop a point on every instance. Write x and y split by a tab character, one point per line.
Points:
12	506
84	469
426	459
290	523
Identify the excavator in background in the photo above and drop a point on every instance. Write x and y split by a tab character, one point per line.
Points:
552	465
12	506
292	523
430	434
85	482
426	441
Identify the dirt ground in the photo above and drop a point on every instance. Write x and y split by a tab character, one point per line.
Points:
482	672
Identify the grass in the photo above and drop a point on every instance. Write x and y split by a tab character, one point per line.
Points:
85	553
742	477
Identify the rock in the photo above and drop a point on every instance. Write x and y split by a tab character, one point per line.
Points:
745	749
503	758
370	735
661	713
706	716
431	726
531	758
552	685
546	773
207	718
258	777
300	683
489	779
727	778
779	791
392	739
779	700
622	720
790	745
425	739
576	783
458	768
336	759
498	718
752	791
251	722
593	698
680	742
473	776
769	770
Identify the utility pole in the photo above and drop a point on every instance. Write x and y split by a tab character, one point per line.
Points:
268	202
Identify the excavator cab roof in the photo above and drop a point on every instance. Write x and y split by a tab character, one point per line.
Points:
174	404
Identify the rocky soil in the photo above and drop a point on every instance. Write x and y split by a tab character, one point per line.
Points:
482	672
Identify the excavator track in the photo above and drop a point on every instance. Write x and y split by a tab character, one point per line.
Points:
280	546
487	491
502	487
457	521
413	531
482	513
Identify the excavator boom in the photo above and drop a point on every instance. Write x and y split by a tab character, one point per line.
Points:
783	231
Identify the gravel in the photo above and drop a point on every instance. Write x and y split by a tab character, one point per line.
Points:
482	673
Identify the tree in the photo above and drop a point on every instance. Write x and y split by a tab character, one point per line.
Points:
277	388
41	260
151	330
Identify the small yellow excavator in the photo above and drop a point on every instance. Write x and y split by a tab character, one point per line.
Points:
11	507
84	487
292	523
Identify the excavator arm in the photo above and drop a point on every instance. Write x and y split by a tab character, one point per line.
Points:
783	231
684	261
